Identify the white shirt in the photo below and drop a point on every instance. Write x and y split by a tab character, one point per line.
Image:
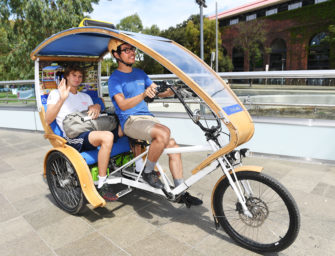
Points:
74	103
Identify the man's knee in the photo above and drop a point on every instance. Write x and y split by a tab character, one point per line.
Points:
162	134
107	138
172	143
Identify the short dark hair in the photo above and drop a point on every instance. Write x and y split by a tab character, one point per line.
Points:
74	68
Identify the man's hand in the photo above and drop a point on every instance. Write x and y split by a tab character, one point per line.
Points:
166	93
150	91
94	111
63	90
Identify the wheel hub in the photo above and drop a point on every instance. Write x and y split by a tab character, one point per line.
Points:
258	209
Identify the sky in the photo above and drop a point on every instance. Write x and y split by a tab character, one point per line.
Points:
164	13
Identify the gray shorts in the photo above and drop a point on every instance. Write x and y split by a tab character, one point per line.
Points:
139	127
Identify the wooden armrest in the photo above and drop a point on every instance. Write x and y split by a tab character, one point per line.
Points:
55	140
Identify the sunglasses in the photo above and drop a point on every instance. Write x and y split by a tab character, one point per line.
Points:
128	50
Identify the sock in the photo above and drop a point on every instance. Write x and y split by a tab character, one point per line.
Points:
139	165
149	166
177	182
101	181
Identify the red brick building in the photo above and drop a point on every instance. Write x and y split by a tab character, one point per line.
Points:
296	32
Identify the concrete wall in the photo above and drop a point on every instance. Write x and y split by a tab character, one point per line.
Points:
308	139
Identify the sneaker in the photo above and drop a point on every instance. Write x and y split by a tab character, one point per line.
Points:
106	193
152	179
189	200
157	172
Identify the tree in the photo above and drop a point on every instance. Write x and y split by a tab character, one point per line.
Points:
131	23
187	34
146	63
251	35
28	22
153	30
330	39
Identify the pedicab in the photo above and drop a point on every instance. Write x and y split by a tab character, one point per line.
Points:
253	208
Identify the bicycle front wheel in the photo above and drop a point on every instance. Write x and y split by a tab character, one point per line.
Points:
275	220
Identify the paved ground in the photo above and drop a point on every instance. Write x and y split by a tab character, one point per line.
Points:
141	223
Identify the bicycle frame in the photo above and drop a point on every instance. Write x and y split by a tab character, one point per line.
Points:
171	194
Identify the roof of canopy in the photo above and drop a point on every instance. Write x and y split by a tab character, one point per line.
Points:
82	42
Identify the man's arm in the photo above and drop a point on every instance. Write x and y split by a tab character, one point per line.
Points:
53	109
125	104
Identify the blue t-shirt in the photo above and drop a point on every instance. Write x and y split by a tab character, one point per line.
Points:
130	85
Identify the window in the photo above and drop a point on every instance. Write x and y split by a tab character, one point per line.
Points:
271	12
294	6
251	17
233	21
320	1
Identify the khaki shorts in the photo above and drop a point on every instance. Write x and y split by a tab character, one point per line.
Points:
139	127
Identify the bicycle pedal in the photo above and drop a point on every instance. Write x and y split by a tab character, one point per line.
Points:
124	192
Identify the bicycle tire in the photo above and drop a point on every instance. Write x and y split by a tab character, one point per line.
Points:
64	183
267	213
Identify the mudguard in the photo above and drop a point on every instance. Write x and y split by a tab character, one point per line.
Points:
245	168
83	172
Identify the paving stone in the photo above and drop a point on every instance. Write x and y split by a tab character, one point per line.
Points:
29	244
89	245
220	244
160	213
34	203
25	191
188	229
45	216
7	211
4	167
64	231
125	231
14	229
158	243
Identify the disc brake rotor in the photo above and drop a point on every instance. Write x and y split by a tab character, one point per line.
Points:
258	209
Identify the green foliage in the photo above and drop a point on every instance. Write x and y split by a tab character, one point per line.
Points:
188	35
131	23
330	38
153	30
107	66
27	23
251	36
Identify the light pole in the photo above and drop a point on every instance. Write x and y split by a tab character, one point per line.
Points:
201	3
282	68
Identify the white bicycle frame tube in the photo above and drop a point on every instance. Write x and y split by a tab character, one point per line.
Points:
182	187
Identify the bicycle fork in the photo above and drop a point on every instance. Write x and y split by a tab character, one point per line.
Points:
237	188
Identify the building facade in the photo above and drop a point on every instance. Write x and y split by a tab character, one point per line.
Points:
296	33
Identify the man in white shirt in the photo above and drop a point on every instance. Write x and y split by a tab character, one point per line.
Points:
66	100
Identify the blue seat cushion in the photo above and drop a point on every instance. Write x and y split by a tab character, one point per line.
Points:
121	146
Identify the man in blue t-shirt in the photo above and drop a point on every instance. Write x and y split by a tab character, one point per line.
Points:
128	87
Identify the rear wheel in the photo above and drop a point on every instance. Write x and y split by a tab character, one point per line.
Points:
64	183
275	220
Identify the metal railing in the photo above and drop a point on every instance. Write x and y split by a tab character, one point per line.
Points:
247	85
